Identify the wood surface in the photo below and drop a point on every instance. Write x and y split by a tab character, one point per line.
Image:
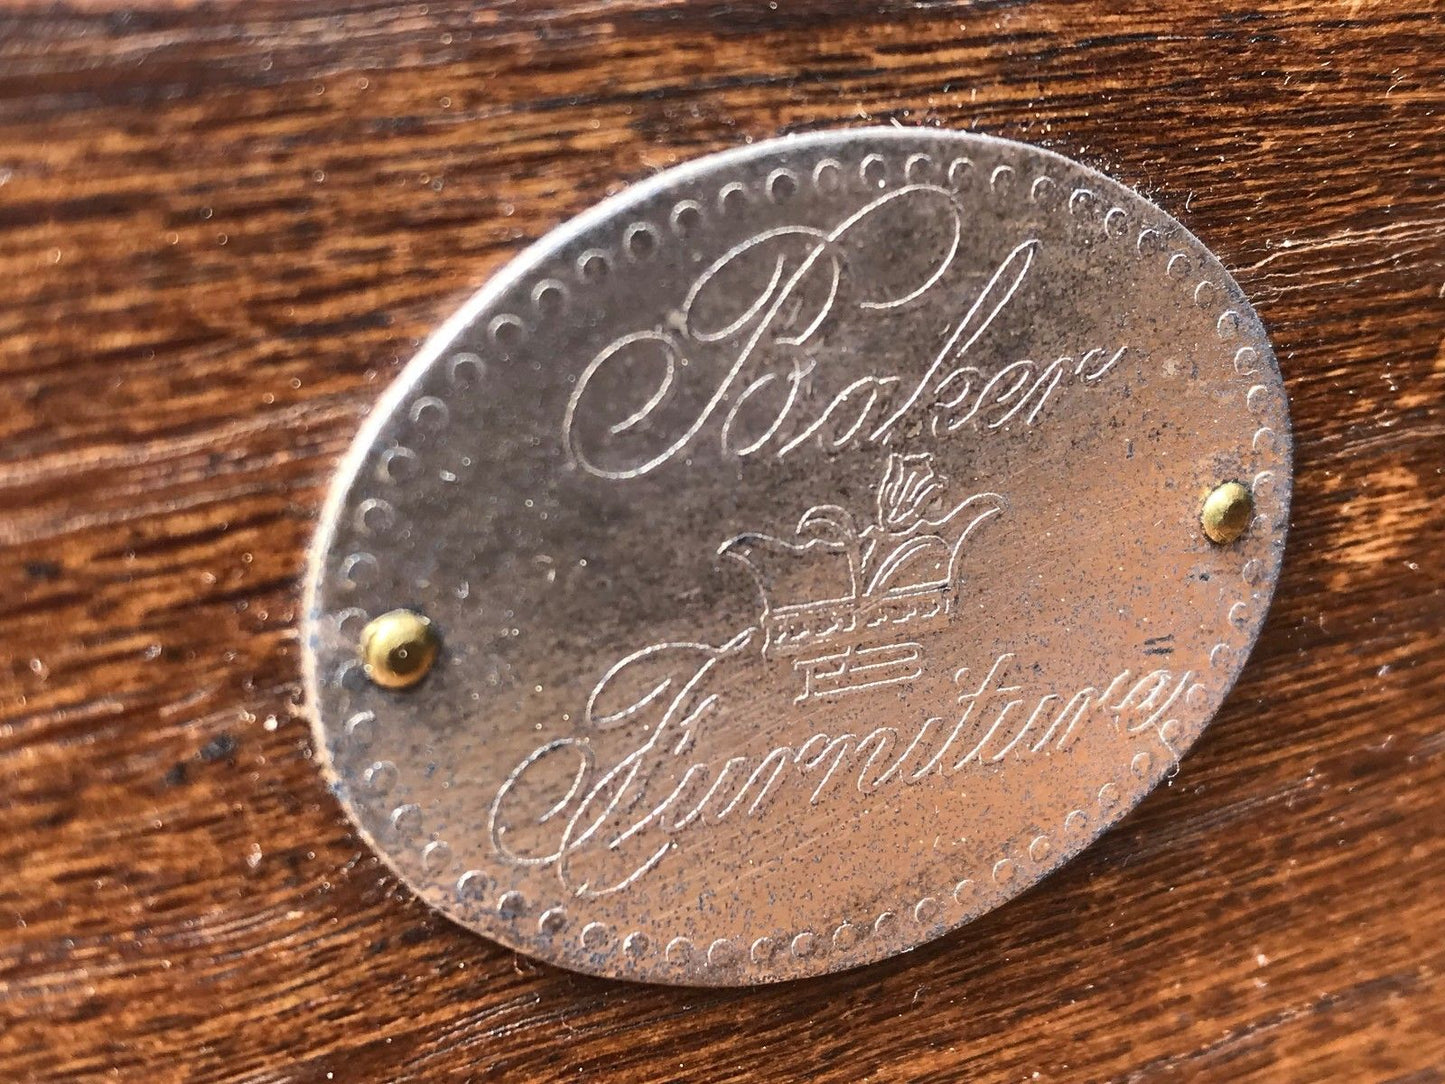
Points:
225	226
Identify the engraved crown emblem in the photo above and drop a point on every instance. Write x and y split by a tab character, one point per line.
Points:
834	580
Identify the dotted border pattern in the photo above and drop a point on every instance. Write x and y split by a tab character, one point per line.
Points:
637	242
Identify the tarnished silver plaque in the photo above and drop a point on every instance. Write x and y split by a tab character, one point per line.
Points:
797	555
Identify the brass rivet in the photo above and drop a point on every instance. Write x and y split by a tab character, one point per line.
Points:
1226	512
398	648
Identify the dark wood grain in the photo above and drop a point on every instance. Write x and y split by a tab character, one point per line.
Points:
223	228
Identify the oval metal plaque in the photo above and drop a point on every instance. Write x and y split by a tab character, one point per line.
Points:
813	537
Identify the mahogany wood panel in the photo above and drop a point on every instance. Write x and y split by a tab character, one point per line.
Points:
223	228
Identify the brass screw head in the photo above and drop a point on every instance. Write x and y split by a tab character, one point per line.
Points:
1226	513
398	648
